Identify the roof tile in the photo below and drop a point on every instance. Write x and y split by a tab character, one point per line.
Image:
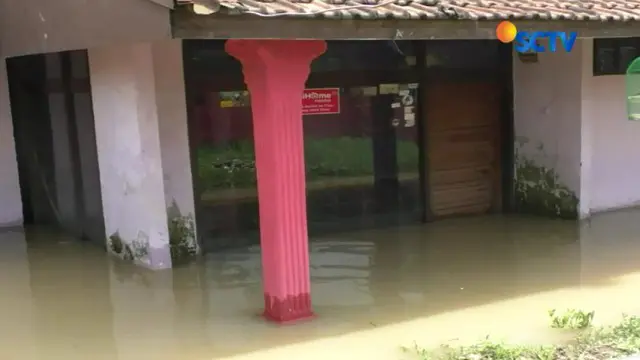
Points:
594	10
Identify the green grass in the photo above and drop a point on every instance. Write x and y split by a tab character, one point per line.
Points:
590	343
334	157
571	319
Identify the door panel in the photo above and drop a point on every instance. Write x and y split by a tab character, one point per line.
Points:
463	146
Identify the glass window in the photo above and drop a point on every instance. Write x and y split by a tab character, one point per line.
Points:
226	169
209	57
612	56
362	163
361	156
462	54
364	55
361	148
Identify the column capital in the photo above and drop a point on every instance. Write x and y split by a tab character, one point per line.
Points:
272	52
290	58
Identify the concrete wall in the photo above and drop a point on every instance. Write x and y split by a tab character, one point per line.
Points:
39	26
143	151
614	172
10	200
548	115
172	120
574	125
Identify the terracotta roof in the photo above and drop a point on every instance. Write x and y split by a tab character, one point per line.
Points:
595	10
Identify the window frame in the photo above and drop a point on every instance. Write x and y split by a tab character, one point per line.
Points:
616	44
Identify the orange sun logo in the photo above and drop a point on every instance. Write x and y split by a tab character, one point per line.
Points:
506	32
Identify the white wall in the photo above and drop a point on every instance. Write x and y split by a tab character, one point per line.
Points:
172	115
129	150
614	177
174	135
39	26
10	200
582	121
141	136
545	97
547	116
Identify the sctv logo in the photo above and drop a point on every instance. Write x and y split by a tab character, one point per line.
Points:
526	42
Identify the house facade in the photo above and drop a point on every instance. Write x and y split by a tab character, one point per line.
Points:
159	129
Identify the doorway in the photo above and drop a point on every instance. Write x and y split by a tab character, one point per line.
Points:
463	148
55	143
467	124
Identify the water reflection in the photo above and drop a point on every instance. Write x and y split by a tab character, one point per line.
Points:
372	291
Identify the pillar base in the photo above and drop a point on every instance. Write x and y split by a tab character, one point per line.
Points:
292	309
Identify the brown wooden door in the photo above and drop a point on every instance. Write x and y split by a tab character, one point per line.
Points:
463	146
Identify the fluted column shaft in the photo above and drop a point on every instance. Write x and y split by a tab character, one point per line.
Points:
275	72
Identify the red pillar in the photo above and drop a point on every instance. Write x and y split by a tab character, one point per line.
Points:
275	72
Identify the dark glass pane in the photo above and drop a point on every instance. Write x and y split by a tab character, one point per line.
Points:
226	169
605	58
627	53
361	151
362	163
476	54
209	57
363	55
614	55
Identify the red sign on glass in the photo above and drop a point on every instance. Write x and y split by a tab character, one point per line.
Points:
321	101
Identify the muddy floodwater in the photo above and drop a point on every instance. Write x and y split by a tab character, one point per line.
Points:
373	291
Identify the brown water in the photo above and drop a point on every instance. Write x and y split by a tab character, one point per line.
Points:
456	280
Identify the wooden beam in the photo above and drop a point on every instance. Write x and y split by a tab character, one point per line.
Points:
187	25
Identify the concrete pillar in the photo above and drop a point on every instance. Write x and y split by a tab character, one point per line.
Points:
10	200
275	72
174	139
133	89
